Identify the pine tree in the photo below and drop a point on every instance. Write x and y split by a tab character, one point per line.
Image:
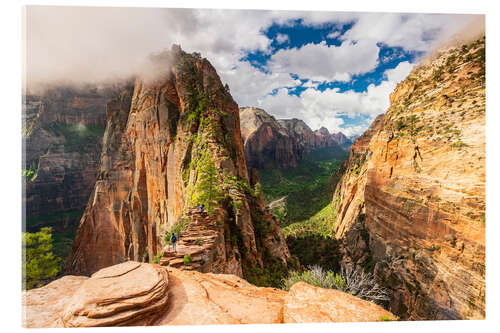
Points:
208	191
39	263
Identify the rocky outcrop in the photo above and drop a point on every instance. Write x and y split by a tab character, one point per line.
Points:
172	143
142	294
62	144
411	205
342	140
308	304
266	143
269	142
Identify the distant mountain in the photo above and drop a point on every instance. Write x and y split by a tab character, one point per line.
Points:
271	142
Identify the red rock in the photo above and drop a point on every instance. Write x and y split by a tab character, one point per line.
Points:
158	139
43	306
412	201
307	304
142	294
118	295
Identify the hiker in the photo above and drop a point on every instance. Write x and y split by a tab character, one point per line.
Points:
173	239
202	206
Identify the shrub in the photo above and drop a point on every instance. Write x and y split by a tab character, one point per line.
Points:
176	229
198	241
387	318
157	258
354	282
29	173
187	259
39	263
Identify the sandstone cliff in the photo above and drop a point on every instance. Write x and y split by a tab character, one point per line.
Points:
269	142
172	143
62	144
266	142
142	294
411	205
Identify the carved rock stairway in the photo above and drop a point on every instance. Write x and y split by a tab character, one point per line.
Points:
199	240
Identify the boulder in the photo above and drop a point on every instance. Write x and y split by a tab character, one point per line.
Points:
118	295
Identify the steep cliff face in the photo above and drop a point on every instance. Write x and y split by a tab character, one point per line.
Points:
342	140
411	205
62	144
266	142
307	139
270	142
172	143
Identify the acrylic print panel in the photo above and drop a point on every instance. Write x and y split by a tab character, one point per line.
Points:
244	166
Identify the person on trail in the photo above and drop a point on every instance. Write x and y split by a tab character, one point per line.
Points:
173	240
202	206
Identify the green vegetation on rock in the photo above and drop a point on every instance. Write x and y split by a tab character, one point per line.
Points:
29	173
356	283
187	259
39	263
78	137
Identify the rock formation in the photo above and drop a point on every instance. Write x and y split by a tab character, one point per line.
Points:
411	204
62	144
171	144
342	140
142	294
266	143
283	143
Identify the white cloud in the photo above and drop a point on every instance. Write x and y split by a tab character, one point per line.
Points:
419	32
333	34
281	38
95	43
324	108
324	62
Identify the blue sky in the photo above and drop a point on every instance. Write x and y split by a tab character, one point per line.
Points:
332	69
295	34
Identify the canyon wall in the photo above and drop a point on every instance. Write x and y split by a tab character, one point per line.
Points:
411	205
270	142
62	144
172	143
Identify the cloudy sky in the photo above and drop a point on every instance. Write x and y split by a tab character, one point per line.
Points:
330	69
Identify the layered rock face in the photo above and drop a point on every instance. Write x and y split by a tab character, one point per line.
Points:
308	139
171	144
270	142
342	140
140	294
411	205
62	144
266	143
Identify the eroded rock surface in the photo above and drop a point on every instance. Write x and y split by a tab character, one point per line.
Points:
140	294
171	144
411	205
118	295
307	304
63	131
270	142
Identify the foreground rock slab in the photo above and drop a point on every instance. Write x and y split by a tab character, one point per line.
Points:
140	294
198	299
43	306
307	304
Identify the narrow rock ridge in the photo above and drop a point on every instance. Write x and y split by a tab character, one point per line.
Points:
172	143
411	204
